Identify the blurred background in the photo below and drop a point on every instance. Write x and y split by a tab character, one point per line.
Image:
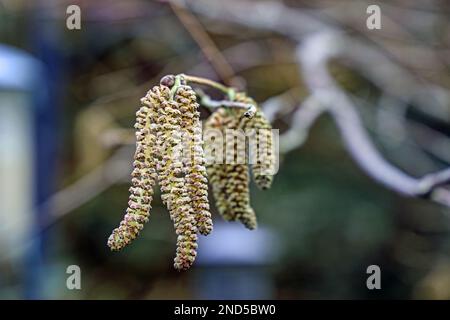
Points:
67	105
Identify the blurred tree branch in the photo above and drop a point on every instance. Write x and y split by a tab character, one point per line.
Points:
314	54
206	44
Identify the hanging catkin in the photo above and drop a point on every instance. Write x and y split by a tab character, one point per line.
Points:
216	171
174	193
143	177
263	168
263	159
237	183
193	157
230	180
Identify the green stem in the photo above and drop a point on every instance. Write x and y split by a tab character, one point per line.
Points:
230	92
176	85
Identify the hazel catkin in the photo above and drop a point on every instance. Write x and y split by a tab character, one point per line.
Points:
237	184
174	193
216	168
230	180
143	178
259	129
193	158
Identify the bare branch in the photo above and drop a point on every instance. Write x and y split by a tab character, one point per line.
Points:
206	44
296	24
302	120
313	56
281	104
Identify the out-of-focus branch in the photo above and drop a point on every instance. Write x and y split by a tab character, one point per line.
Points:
396	80
281	104
302	120
113	170
313	56
206	44
264	15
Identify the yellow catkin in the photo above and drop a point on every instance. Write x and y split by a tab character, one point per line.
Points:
264	167
194	159
171	177
230	180
237	184
169	148
263	156
143	177
216	171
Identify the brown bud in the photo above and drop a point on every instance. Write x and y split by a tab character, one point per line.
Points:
168	80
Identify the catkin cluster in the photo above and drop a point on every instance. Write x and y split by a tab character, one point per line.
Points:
230	180
169	149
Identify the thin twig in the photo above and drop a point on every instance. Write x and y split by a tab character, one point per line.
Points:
203	40
208	82
207	102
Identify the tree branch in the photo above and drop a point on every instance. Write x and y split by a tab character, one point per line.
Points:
302	120
313	56
203	40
